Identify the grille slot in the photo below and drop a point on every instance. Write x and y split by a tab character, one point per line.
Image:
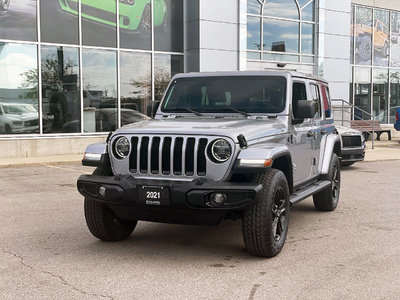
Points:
168	156
351	141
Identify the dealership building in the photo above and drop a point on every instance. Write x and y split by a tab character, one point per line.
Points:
73	70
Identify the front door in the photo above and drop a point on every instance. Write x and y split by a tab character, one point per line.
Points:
302	139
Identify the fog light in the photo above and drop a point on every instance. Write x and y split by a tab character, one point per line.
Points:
218	198
102	191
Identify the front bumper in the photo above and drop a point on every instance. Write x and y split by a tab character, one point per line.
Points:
353	154
189	202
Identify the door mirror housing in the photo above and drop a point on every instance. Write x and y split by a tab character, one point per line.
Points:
305	109
152	107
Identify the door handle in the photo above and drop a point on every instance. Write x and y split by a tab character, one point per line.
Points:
310	133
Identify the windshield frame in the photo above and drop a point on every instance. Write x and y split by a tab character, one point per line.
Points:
230	110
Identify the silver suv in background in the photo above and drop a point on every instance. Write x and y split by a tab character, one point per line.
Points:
229	145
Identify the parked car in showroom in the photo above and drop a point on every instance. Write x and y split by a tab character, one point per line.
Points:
135	16
353	145
18	118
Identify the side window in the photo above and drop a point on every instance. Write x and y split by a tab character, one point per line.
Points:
327	101
317	100
298	93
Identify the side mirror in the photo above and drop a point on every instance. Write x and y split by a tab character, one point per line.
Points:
152	107
305	109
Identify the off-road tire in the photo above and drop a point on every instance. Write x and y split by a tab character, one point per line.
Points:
259	232
144	27
4	5
327	200
102	221
347	163
365	49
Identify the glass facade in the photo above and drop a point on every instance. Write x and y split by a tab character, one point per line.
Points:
85	66
281	30
375	63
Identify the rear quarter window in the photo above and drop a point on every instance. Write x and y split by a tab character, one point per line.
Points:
327	101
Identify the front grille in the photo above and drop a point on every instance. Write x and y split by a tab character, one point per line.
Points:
351	141
168	156
31	123
73	5
98	13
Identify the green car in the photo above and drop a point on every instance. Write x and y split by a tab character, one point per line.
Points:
134	15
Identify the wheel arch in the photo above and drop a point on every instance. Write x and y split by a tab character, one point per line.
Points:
332	145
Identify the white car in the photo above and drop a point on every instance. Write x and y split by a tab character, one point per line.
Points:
18	118
353	145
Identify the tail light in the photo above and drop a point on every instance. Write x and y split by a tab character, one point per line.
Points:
397	116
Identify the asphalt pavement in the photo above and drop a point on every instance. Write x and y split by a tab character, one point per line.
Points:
46	251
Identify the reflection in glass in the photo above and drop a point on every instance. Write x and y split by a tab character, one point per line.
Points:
281	57
307	38
281	36
99	74
253	33
281	8
395	40
168	25
394	94
18	89
308	12
56	24
362	92
254	55
352	35
254	7
381	37
363	32
380	97
307	59
135	86
135	23
60	90
165	66
18	20
98	22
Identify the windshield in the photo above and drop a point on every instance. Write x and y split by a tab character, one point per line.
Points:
234	94
18	109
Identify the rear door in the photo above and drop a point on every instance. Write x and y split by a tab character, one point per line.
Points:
317	124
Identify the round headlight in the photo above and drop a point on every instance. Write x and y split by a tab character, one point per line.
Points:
122	147
221	150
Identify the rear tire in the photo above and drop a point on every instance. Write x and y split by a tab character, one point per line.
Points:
102	221
4	5
265	225
328	199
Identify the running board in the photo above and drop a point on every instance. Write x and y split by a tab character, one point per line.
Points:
309	190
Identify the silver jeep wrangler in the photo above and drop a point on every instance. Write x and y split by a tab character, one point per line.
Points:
220	146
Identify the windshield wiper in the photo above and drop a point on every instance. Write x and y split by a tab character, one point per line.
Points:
189	110
239	111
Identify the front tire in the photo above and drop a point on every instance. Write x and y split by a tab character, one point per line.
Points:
265	225
327	200
102	221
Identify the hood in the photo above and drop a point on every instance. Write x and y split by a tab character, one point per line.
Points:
250	128
347	130
22	117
